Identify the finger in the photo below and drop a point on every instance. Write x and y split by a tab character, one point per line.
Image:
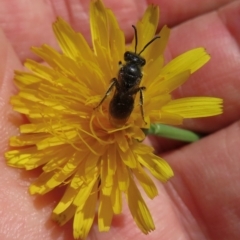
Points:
8	62
19	215
206	183
27	25
175	12
219	34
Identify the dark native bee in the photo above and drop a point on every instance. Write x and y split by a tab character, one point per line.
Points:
127	86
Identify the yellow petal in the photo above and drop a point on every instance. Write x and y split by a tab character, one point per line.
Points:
106	176
65	201
145	181
27	139
121	141
146	27
64	216
72	44
84	215
116	198
166	118
99	26
155	59
128	158
122	175
157	88
191	60
105	213
195	107
30	158
138	209
40	185
85	191
116	42
157	166
22	79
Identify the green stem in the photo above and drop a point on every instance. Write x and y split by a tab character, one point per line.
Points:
173	133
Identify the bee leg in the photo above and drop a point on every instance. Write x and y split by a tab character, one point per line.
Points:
141	89
114	82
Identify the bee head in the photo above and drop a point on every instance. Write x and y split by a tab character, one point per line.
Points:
134	58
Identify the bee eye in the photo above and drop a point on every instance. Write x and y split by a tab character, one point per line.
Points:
127	56
143	62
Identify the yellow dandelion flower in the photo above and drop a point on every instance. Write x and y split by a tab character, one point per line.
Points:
77	145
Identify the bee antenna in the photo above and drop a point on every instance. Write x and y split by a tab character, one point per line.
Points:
136	39
149	44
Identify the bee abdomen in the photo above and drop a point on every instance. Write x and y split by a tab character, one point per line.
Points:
121	107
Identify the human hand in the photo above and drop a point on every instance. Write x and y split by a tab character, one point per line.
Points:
201	201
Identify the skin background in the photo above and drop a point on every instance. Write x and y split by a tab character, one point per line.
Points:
202	200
